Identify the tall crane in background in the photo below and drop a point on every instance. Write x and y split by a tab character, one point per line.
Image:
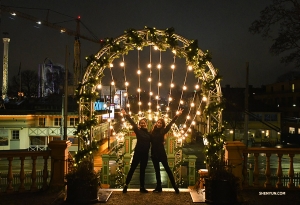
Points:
77	45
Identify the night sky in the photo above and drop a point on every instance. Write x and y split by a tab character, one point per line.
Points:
219	26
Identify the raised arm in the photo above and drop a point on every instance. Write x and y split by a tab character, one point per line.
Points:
168	127
129	119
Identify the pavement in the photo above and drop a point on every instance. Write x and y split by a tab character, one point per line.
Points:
168	196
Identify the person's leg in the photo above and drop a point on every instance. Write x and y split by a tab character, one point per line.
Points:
170	174
158	187
143	165
134	164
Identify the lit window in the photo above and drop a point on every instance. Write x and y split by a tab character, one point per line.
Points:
57	121
73	121
42	121
15	134
292	130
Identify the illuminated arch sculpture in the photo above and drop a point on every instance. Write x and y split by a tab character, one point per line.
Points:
195	58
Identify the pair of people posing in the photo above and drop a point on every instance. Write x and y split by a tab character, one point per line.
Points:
158	153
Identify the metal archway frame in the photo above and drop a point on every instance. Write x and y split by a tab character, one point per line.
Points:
163	39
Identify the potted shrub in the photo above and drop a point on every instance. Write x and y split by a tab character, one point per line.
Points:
82	183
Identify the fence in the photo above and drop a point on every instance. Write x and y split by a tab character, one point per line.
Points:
28	181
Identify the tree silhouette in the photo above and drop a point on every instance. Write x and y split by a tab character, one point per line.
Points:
29	83
280	22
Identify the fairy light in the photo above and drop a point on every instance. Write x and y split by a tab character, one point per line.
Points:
122	64
150	78
159	83
197	86
190	67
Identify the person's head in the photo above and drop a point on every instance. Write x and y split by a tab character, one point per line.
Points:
143	123
160	123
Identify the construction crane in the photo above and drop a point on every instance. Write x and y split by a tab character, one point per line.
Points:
76	34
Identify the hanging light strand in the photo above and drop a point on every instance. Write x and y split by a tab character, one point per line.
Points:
181	101
159	83
171	84
126	84
150	78
139	79
191	107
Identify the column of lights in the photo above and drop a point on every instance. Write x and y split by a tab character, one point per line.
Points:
139	87
198	112
189	68
192	105
181	102
112	83
122	64
150	83
171	84
159	83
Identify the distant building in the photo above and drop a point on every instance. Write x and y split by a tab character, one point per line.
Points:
285	95
264	121
32	124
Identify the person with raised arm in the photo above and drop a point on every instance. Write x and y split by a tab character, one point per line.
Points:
158	152
141	151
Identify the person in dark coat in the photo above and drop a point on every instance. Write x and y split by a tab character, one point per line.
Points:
141	151
158	153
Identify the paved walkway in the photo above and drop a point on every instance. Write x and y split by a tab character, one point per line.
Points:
133	196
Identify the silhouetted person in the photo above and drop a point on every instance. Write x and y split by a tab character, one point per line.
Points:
141	151
158	153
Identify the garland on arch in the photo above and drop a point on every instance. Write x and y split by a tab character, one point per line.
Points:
163	40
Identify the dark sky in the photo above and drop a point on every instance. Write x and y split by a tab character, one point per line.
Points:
219	26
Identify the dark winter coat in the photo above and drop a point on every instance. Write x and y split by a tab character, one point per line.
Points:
142	135
157	141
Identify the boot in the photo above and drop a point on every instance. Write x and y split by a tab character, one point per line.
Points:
125	188
157	189
143	190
